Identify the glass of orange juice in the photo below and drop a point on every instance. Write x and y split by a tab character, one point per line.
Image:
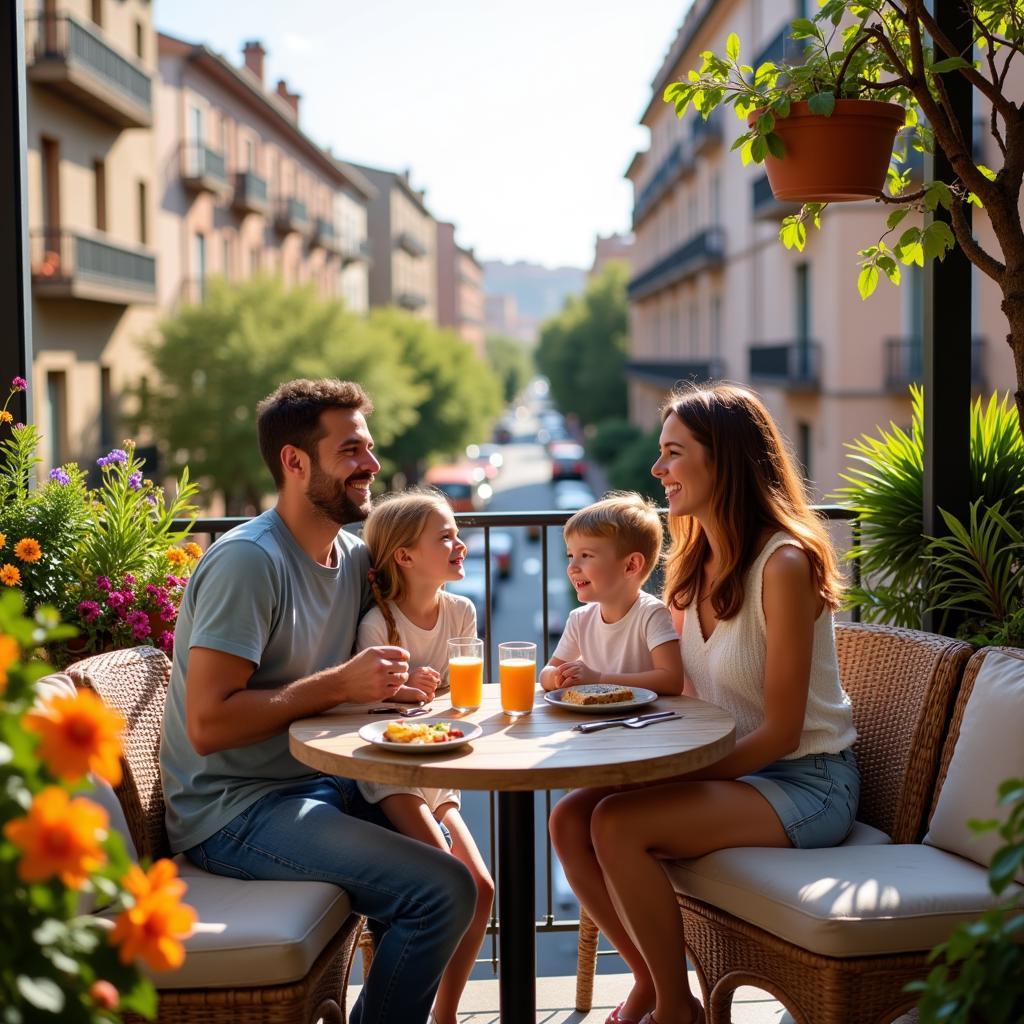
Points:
466	672
517	673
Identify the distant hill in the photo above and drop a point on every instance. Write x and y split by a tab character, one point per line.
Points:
539	291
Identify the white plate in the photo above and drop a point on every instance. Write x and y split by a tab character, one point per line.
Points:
640	698
373	732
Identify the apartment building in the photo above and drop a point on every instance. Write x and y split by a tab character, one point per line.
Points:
243	189
350	213
610	248
403	240
714	294
460	289
91	67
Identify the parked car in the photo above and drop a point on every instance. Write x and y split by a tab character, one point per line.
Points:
487	456
465	486
568	461
572	495
502	548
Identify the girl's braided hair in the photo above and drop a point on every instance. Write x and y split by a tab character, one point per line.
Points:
396	521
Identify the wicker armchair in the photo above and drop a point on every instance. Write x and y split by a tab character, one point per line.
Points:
901	684
135	682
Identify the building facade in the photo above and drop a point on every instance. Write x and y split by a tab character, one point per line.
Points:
403	240
715	295
608	248
91	69
243	189
460	289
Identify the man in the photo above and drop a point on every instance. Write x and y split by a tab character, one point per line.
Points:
264	637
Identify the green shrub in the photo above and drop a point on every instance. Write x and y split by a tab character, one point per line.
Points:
610	439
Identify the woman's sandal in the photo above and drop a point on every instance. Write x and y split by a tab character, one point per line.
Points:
648	1018
615	1018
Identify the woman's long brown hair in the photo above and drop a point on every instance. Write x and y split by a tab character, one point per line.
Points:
755	488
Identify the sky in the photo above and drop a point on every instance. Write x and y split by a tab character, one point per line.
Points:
519	119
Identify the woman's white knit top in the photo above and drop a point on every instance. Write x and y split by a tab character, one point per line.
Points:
728	669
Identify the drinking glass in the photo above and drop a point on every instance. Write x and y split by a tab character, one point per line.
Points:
517	673
466	672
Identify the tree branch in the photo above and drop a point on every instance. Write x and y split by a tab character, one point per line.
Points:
972	250
901	199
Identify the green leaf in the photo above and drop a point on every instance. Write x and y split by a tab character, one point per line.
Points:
776	146
867	280
896	216
822	103
987	172
732	46
1005	864
42	993
937	193
949	64
758	149
801	28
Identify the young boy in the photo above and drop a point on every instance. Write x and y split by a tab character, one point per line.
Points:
622	635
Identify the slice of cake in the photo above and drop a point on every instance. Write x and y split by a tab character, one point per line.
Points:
597	693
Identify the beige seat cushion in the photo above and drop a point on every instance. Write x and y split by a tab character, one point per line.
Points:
988	751
843	901
254	933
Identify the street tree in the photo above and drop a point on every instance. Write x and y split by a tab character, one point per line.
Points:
512	361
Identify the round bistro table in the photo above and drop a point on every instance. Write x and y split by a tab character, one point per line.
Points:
515	758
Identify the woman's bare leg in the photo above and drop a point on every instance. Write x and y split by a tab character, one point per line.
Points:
453	983
633	832
570	828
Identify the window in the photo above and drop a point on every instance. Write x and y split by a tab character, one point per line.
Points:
199	263
106	409
716	327
254	260
226	258
250	155
716	200
56	396
143	214
96	12
802	295
803	445
100	194
694	328
140	40
51	184
195	124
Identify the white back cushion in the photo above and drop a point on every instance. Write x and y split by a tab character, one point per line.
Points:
989	750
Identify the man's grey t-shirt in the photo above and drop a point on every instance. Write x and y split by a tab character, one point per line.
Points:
255	594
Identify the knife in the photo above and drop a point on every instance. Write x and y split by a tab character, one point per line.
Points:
652	716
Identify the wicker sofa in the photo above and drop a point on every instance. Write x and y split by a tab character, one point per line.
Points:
263	952
835	934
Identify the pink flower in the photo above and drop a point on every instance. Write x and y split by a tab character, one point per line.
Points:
129	579
19	384
89	611
166	640
115	598
103	582
168	613
176	581
139	622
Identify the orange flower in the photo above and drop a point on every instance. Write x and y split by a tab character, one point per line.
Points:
9	653
3	540
194	551
59	836
80	734
28	550
176	556
10	575
5	416
153	928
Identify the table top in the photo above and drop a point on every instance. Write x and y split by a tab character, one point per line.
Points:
535	752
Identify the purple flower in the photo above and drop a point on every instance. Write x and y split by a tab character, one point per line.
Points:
89	611
129	579
112	458
60	476
176	581
135	481
168	613
103	582
166	640
19	384
139	622
151	498
115	599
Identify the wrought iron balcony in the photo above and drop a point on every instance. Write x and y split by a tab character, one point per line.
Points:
764	204
705	250
706	135
251	193
407	241
793	365
668	374
203	169
325	236
904	364
93	267
354	249
74	59
291	215
411	300
678	163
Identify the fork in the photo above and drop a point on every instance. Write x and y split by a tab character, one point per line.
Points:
402	712
630	723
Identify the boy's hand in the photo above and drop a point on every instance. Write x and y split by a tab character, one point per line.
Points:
426	680
573	673
549	677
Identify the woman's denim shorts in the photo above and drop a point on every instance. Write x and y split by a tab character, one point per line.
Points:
815	796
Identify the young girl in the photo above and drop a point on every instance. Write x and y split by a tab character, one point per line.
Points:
414	550
751	583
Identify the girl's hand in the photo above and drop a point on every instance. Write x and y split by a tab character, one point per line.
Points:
576	672
426	680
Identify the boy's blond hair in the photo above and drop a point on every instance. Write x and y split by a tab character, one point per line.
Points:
626	518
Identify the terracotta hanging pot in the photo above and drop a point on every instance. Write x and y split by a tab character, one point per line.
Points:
835	159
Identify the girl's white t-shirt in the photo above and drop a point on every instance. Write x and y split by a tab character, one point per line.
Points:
456	617
617	647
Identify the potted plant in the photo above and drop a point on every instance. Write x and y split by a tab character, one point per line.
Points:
878	50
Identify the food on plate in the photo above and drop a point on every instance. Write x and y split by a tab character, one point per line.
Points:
421	732
597	693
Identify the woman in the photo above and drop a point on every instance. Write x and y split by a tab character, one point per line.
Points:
751	582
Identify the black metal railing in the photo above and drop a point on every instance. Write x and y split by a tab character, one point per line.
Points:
791	364
702	251
410	300
353	249
410	243
210	528
707	134
668	374
904	363
251	192
201	163
324	234
764	205
66	256
678	162
292	215
62	37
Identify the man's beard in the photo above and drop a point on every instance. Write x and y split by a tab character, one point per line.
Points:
329	497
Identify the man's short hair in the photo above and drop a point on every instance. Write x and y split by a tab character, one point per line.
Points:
626	518
291	415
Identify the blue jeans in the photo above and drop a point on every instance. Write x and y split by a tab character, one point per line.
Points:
419	900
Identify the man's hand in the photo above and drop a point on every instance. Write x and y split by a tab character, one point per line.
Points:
373	674
573	673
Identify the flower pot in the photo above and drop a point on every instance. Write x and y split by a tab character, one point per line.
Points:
836	159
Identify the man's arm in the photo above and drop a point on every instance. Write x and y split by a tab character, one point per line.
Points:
222	713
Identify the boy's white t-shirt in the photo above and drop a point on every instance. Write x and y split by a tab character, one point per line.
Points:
617	647
456	617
